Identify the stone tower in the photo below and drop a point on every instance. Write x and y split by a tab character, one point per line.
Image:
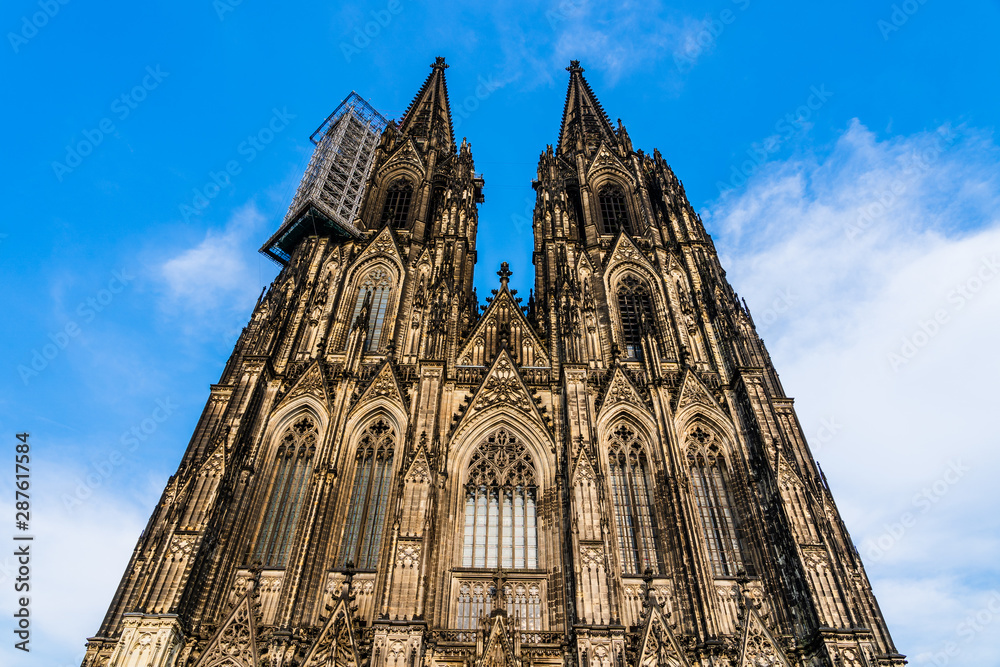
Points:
390	475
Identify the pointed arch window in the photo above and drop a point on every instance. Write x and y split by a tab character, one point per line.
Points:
636	312
716	509
396	210
500	522
369	497
374	292
614	210
632	495
293	467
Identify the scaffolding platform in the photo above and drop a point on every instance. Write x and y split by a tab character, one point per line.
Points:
329	195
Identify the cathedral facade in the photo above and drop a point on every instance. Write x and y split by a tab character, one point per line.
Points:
389	474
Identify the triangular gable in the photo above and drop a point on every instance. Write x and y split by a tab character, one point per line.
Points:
310	383
620	390
336	645
605	159
503	387
235	642
584	470
625	250
383	385
693	391
383	243
419	470
407	153
759	645
658	647
483	343
497	650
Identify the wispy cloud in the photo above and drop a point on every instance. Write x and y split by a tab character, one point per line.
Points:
889	250
220	272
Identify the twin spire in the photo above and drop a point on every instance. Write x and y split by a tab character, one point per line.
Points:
584	122
429	114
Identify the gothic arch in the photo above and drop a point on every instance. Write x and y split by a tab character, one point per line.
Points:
381	430
288	414
536	440
607	185
390	264
641	420
712	420
613	278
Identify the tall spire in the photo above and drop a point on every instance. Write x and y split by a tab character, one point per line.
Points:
583	116
429	114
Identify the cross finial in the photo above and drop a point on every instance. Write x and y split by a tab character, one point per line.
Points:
504	273
574	66
440	64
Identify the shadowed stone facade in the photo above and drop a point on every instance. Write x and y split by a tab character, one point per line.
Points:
390	475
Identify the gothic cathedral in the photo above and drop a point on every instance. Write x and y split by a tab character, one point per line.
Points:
389	474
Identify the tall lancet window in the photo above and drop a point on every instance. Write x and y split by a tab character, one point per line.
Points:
374	291
636	312
396	210
500	526
369	497
632	495
293	466
614	211
716	508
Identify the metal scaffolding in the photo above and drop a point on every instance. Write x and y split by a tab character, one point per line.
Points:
331	189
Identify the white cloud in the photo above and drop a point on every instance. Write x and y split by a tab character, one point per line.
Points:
845	261
219	272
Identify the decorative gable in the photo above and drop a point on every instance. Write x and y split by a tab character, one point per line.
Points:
607	160
503	388
311	383
693	392
336	645
658	647
503	320
235	643
620	390
408	154
626	251
383	243
498	649
420	468
760	649
383	385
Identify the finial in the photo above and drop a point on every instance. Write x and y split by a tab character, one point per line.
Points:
574	66
504	273
439	64
499	599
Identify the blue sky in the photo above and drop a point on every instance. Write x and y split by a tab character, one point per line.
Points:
843	156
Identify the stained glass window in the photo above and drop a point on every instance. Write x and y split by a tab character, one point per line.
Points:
292	468
375	289
370	496
500	523
632	496
715	505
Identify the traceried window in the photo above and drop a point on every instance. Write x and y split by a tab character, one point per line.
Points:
293	466
523	598
369	497
632	495
614	211
396	210
636	312
715	505
500	528
374	292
